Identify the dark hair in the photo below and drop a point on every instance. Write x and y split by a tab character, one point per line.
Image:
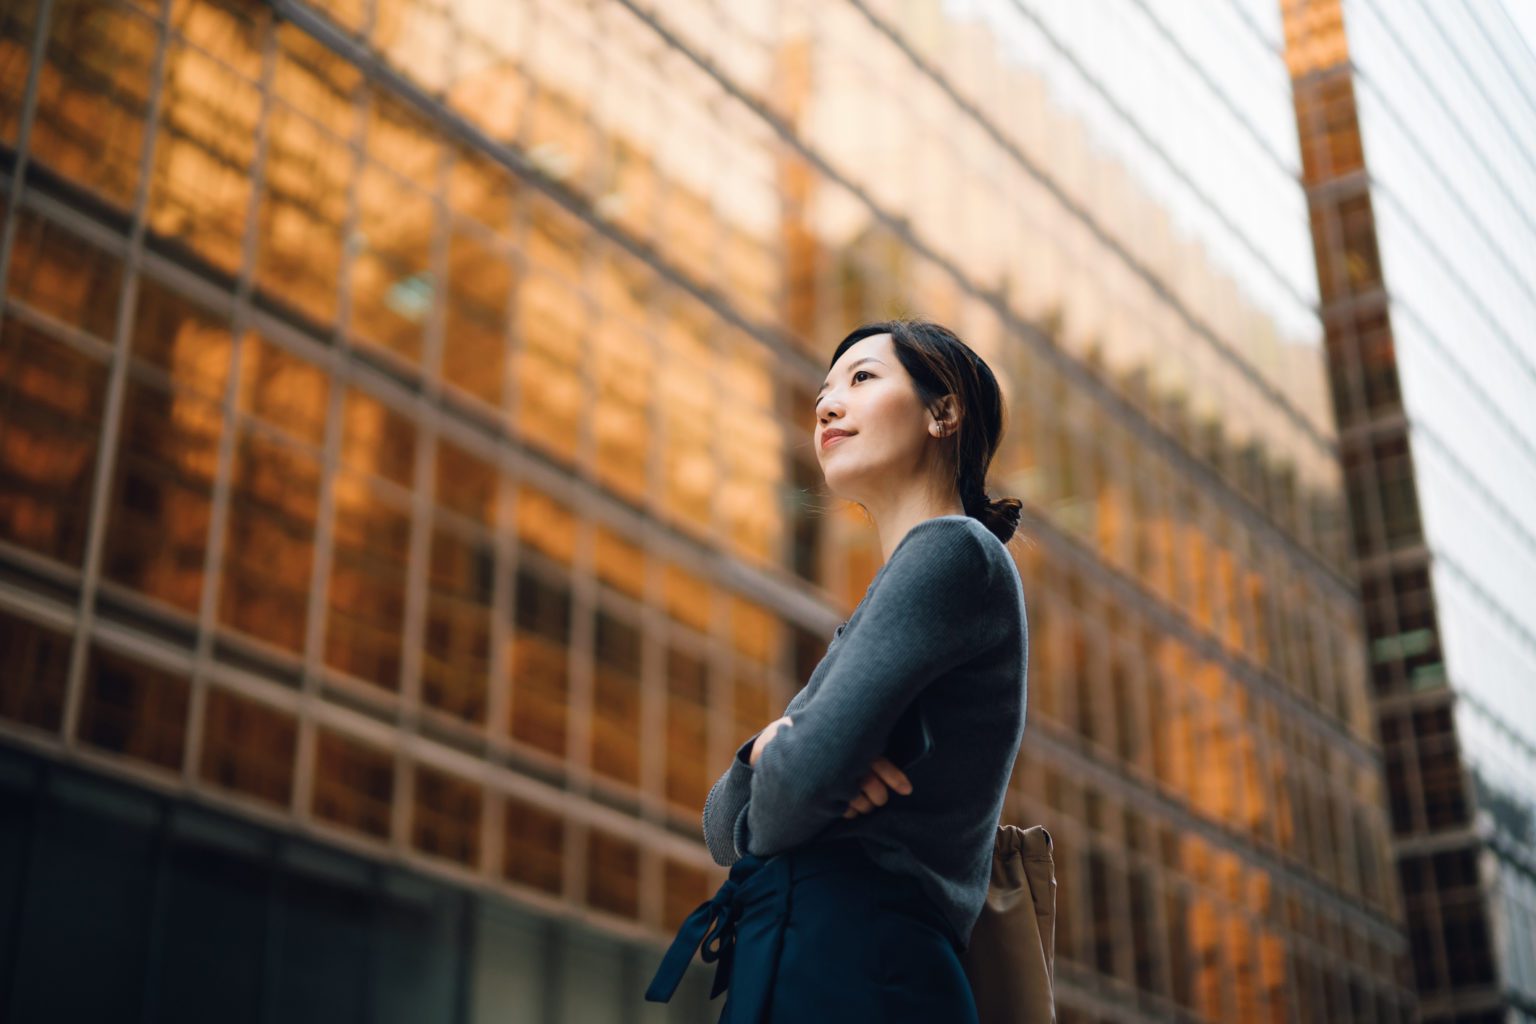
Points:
940	364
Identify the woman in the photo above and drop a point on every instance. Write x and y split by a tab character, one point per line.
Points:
855	884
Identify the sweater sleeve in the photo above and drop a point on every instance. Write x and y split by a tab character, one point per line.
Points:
928	614
725	809
726	806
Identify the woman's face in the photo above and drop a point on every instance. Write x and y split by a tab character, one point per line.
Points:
869	395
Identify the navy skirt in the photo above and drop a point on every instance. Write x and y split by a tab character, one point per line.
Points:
822	933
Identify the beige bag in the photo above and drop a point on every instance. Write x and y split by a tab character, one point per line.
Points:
1011	959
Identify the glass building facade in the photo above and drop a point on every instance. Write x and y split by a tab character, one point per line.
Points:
407	502
1418	123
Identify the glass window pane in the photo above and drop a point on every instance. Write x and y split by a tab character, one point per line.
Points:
540	663
367	586
249	747
36	667
613	874
60	274
93	96
446	820
457	647
299	220
393	290
269	546
162	494
687	772
354	784
201	182
615	749
534	846
52	395
133	709
475	333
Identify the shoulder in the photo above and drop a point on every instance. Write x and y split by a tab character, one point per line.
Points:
955	547
962	555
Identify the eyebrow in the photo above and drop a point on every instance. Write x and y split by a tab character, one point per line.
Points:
856	362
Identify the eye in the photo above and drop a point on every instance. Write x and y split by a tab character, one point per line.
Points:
816	411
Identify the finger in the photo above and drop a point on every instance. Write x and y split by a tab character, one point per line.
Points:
892	776
861	804
875	790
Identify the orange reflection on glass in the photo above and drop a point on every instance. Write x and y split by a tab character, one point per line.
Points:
689	598
393	290
248	747
188	342
683	888
58	273
269	546
1203	925
161	498
93	96
552	397
134	709
457	645
625	366
539	662
284	391
687	731
378	439
688	403
756	632
753	704
475	335
753	476
37	664
366	595
619	562
546	524
446	816
486	84
354	783
615	735
613	874
201	181
52	395
416	36
302	207
533	846
17	23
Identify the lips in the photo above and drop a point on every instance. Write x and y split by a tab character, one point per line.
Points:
832	436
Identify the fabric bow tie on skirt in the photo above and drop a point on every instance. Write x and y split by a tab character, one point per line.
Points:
713	926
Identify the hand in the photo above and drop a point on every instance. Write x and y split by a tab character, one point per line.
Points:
883	777
764	737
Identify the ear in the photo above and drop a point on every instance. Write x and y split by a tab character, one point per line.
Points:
946	417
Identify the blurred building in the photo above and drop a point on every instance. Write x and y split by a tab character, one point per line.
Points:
1418	124
407	502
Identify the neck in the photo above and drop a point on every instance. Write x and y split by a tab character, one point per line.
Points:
892	521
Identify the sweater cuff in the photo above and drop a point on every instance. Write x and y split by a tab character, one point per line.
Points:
744	752
739	833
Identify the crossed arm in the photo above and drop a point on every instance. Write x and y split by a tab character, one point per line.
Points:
926	616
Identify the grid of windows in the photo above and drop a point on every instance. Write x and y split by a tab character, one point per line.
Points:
363	393
1424	301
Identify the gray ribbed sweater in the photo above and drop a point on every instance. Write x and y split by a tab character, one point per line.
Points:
944	621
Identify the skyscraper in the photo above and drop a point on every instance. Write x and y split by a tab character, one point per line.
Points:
406	500
1417	123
